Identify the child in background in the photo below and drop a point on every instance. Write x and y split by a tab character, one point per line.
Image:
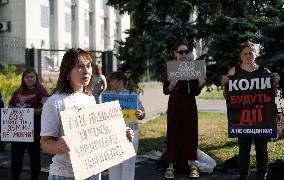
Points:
125	170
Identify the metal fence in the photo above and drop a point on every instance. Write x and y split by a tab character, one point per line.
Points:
12	50
47	62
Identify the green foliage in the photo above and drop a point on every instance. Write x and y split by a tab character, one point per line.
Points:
226	35
157	29
9	81
212	93
273	51
158	25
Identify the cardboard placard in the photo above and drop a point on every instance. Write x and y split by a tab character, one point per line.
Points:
186	70
128	104
97	138
251	108
17	124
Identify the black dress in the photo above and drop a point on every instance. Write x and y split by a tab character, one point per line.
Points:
182	121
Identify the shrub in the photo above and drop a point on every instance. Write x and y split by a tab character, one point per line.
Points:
9	81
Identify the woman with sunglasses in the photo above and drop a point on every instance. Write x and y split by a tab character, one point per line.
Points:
182	120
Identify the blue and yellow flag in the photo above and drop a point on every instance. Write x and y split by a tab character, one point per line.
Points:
128	104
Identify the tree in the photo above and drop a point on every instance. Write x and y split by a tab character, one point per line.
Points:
222	25
157	26
273	51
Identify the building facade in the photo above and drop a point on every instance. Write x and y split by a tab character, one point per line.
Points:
58	25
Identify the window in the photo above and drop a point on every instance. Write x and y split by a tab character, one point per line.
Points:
86	27
117	30
44	16
68	22
86	23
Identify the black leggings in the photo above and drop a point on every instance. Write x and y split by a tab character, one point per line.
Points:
261	156
17	152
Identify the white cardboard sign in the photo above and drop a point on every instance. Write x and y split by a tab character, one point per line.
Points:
97	138
17	124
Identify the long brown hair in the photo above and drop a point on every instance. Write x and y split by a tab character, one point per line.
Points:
23	85
69	60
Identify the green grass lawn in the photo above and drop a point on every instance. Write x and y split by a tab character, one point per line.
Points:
213	94
213	138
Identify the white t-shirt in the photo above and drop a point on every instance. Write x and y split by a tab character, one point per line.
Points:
51	125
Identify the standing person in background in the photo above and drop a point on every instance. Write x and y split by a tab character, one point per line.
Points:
182	120
125	170
73	91
30	94
2	144
99	83
248	66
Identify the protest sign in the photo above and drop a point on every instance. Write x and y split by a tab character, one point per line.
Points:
17	124
186	70
251	106
97	138
128	104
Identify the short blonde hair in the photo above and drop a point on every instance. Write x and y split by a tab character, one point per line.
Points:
247	44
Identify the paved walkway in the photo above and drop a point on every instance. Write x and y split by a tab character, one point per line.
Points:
155	103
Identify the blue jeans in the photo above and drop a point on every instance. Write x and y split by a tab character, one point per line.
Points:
55	177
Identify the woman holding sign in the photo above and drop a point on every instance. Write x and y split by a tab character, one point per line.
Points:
73	92
182	120
30	94
248	66
125	170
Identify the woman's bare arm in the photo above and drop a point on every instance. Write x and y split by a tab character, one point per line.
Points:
54	145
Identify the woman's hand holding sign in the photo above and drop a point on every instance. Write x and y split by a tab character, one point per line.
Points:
276	78
225	78
129	134
63	147
140	114
172	84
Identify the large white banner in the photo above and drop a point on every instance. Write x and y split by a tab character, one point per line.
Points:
17	124
96	138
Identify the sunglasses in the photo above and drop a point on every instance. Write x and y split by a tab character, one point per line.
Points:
181	52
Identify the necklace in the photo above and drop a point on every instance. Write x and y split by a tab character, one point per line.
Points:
249	68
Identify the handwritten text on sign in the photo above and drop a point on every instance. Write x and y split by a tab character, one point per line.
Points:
17	124
96	138
128	104
186	70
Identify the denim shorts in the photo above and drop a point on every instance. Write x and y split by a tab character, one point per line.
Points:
55	177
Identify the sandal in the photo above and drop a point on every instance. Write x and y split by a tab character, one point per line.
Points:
170	173
194	172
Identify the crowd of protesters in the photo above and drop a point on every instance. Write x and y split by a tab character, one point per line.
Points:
81	84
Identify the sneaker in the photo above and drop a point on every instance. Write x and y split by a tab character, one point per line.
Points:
170	173
194	172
